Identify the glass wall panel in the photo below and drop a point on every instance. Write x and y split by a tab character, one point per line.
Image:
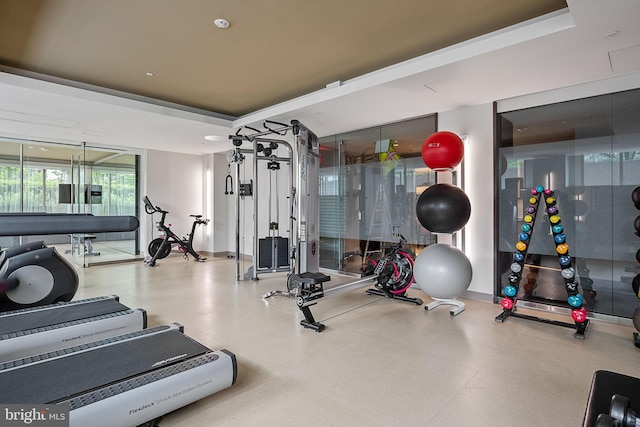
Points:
40	161
61	178
112	191
369	184
10	185
587	151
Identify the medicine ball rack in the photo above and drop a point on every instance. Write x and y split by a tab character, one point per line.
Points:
574	297
635	282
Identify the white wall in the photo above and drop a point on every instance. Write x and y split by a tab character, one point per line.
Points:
477	123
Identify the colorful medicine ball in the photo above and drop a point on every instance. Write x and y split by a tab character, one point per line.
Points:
442	151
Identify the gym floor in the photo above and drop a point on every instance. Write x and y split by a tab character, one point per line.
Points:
379	362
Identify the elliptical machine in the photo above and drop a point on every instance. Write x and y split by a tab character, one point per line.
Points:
160	247
33	274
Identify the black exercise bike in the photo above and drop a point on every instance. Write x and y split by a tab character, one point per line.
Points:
160	247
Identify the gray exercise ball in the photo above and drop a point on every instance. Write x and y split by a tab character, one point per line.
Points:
442	271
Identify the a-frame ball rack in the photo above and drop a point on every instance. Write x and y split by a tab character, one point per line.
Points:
574	297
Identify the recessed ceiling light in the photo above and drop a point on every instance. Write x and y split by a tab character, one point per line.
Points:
215	138
612	34
221	23
150	74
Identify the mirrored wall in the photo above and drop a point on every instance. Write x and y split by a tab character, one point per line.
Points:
62	178
588	152
369	184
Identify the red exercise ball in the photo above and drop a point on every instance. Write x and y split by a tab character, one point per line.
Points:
442	151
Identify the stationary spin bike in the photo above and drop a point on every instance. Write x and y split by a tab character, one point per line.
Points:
160	247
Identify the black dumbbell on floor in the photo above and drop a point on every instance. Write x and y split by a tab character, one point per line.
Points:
620	414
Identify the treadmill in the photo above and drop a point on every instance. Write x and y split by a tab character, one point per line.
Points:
30	331
127	380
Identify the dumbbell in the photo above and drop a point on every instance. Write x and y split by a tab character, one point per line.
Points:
621	411
606	420
620	414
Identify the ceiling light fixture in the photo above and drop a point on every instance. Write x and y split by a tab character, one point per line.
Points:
216	138
612	34
149	74
221	23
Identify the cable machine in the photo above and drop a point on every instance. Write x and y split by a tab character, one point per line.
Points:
299	252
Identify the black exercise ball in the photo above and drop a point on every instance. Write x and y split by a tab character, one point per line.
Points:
443	208
503	164
638	255
636	319
635	197
636	225
635	284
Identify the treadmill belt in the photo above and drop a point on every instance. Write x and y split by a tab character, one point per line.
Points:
64	313
64	377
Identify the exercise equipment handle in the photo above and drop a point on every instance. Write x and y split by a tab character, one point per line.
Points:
276	131
150	209
228	184
396	246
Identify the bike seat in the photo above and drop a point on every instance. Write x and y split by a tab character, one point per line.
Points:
196	216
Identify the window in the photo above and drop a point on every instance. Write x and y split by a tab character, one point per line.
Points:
369	184
587	151
59	178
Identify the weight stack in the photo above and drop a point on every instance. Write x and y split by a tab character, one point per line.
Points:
273	250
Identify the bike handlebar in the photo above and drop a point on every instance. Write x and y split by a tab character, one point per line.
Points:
150	209
396	246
